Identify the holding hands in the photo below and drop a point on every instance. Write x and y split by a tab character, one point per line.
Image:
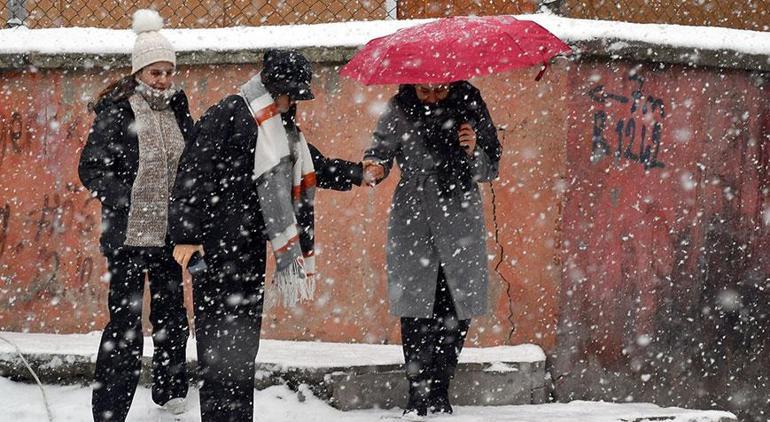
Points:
373	172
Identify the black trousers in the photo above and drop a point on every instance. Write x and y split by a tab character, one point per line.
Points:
228	299
118	362
432	345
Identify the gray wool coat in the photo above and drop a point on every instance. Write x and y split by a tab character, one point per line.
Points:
425	230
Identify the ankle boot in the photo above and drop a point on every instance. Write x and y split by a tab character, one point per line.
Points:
438	400
418	400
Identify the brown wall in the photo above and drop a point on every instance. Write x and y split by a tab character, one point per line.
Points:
50	265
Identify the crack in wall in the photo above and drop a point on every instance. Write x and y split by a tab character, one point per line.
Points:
499	262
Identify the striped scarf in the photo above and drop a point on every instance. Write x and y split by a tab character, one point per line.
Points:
285	177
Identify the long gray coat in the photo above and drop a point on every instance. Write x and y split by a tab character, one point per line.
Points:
426	230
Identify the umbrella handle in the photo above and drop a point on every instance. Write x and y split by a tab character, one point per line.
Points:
542	71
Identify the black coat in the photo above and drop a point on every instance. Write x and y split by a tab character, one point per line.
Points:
110	160
215	201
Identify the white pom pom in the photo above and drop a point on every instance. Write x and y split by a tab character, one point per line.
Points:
146	20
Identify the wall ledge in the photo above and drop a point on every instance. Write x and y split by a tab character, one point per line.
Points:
335	43
615	49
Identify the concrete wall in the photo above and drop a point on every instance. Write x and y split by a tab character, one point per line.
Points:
50	263
640	265
664	288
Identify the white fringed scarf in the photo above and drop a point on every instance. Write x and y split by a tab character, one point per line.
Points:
285	177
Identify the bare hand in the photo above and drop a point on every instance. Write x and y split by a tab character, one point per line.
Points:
467	138
373	172
183	253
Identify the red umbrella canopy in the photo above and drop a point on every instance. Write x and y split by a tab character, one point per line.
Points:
453	49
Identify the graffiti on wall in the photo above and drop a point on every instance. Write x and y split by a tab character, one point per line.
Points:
15	137
48	224
637	135
44	231
21	133
683	295
5	215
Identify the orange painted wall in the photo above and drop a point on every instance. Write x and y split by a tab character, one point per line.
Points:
643	283
50	266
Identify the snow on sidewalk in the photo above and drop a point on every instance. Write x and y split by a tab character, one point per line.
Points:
23	403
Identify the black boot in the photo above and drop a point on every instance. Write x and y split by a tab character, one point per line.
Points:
417	405
438	400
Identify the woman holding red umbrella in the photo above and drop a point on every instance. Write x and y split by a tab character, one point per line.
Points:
438	129
445	143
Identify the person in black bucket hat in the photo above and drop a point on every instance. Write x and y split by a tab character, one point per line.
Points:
287	72
221	205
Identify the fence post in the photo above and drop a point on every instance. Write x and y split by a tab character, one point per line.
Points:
391	9
17	12
554	6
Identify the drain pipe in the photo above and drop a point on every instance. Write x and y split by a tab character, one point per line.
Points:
551	6
391	9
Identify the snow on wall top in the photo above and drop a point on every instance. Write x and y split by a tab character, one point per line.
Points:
352	34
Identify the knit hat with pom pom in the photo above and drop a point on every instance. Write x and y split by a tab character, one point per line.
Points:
150	46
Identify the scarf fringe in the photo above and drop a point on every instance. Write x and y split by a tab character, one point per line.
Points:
291	285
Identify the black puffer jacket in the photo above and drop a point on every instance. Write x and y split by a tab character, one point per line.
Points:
110	160
215	201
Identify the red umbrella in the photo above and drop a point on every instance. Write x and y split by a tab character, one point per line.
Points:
454	49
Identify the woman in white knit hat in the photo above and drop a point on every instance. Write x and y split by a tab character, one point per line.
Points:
129	163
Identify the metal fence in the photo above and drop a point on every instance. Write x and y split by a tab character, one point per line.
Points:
192	13
740	14
743	14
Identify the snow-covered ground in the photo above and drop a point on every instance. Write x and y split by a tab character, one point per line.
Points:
24	403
